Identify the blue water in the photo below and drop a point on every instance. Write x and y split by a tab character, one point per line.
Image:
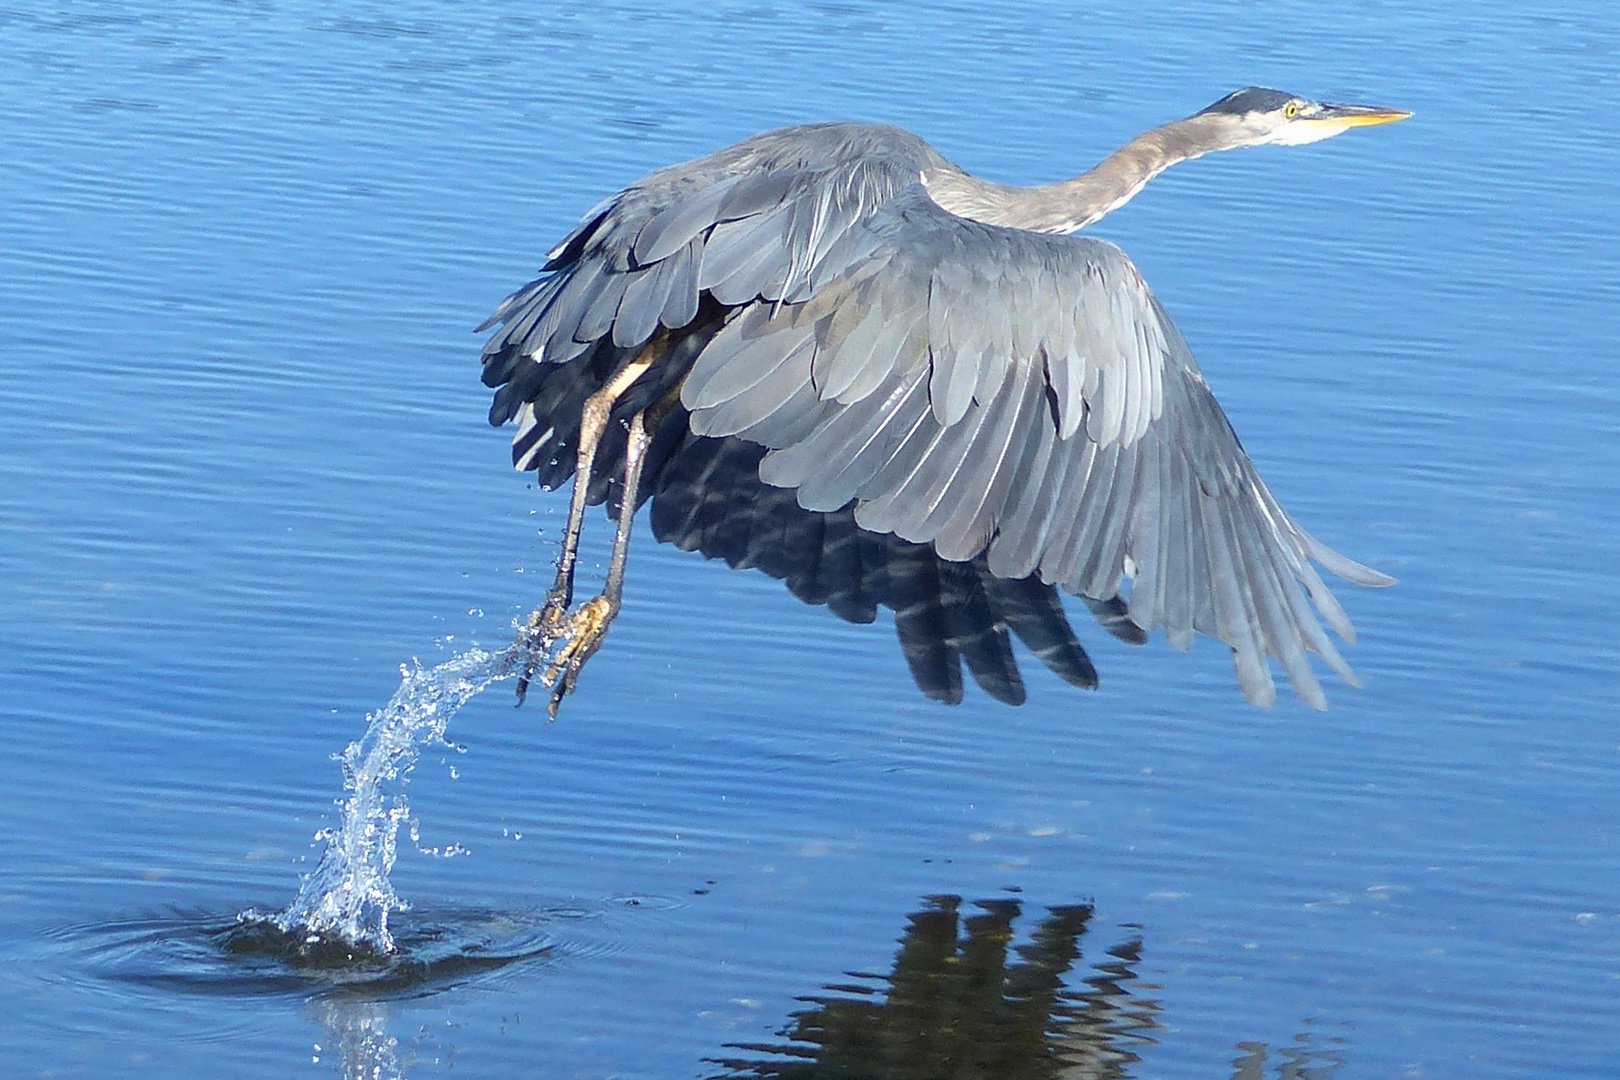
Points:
244	474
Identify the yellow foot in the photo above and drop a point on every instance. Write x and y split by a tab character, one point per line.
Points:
581	635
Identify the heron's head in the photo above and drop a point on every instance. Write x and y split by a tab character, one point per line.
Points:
1256	116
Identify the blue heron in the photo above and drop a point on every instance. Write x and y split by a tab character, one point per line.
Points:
835	322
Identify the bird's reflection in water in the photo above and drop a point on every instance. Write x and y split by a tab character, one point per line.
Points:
1304	1060
964	1001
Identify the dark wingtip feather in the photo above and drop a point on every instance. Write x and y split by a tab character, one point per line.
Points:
1113	615
1032	610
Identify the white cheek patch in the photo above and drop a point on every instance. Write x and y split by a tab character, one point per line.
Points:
1301	132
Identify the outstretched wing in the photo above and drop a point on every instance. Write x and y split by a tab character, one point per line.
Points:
773	218
1023	397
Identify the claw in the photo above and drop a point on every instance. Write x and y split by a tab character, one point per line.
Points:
544	625
582	635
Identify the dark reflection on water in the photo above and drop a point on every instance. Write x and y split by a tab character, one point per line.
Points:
1307	1059
963	1001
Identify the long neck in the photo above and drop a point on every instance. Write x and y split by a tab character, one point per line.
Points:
1070	204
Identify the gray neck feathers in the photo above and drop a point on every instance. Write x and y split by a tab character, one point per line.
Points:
1070	204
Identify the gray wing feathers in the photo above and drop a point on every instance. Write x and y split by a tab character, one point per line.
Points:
769	218
643	301
1025	397
977	497
740	357
681	304
1344	567
677	225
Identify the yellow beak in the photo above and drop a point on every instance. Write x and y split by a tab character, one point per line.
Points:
1360	115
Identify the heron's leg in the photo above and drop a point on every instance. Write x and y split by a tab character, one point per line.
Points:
546	622
593	422
588	624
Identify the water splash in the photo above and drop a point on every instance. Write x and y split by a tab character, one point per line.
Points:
345	903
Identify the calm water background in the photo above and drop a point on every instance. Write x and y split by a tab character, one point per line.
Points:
244	473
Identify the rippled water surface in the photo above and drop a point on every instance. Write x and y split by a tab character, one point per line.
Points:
245	474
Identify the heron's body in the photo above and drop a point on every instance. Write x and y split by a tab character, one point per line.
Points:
861	360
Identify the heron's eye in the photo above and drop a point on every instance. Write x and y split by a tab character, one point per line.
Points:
1290	110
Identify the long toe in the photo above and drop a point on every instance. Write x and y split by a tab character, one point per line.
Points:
581	635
